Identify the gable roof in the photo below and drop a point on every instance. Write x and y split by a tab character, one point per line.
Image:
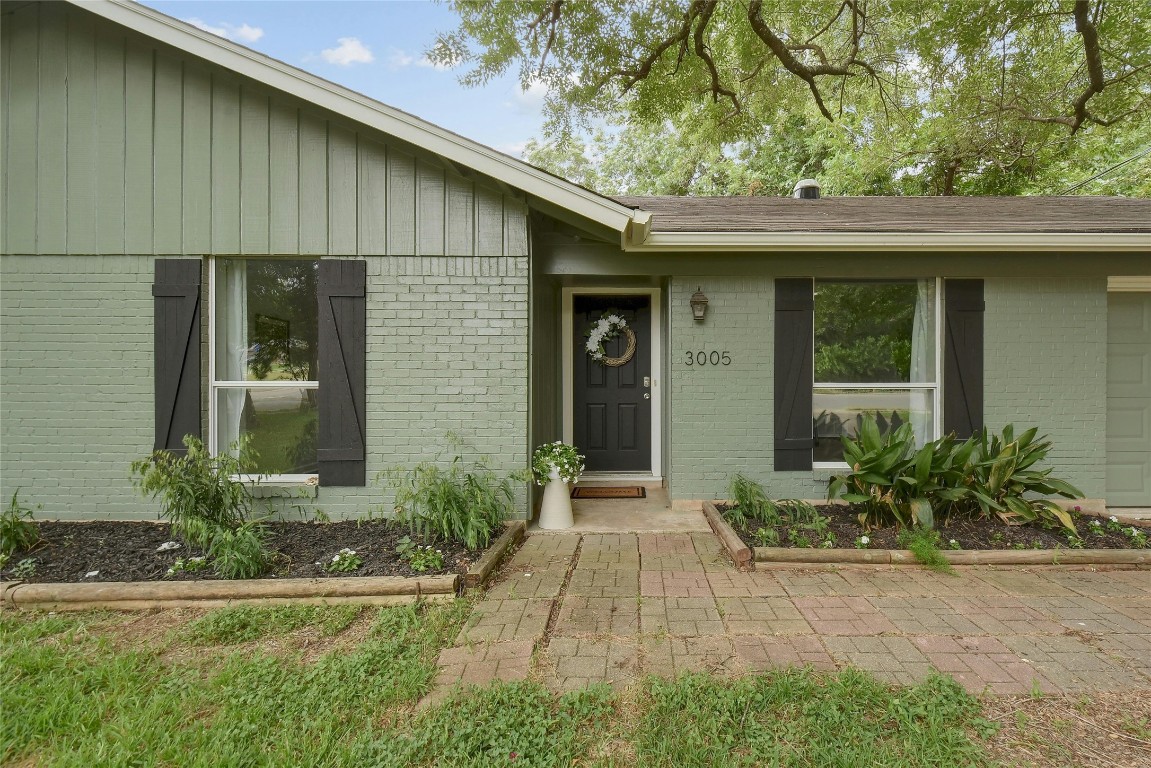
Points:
695	224
362	109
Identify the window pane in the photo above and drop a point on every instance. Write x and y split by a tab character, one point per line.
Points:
266	327
282	424
875	332
837	412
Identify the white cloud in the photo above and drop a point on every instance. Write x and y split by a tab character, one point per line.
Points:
531	101
398	59
438	66
245	32
248	33
515	149
350	51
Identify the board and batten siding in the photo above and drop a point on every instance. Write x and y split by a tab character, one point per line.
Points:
116	144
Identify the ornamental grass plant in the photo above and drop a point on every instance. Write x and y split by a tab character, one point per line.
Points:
462	501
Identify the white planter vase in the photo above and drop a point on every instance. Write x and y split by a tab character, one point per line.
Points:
556	509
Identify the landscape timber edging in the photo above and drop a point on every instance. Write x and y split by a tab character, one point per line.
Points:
740	553
792	556
747	557
137	595
480	570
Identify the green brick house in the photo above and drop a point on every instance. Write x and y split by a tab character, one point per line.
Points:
199	239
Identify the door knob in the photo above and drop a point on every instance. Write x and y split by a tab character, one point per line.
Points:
647	395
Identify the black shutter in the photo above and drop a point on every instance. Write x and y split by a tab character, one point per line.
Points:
343	350
794	327
963	357
176	308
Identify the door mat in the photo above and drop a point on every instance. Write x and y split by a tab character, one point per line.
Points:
611	492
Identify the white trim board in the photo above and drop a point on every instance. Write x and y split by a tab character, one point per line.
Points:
567	349
1129	284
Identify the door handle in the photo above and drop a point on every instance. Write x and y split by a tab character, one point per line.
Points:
647	395
647	381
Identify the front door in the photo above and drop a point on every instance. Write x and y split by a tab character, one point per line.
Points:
611	399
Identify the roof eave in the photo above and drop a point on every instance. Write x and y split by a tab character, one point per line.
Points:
727	242
359	108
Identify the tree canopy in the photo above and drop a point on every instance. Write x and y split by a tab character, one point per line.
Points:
874	96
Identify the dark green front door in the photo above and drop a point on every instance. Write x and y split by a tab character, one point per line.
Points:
612	403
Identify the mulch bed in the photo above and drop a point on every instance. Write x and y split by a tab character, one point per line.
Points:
127	551
980	533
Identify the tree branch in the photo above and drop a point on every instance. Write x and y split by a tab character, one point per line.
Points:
552	10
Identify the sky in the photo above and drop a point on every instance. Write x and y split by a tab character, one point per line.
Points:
375	47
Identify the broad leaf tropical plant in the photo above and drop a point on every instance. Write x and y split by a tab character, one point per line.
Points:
891	481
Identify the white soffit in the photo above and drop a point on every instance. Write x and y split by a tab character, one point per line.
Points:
360	108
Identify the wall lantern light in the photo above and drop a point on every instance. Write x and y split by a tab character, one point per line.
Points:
698	304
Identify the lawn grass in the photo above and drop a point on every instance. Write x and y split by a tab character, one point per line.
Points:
245	687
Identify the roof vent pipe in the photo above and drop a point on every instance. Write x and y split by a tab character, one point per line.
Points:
806	189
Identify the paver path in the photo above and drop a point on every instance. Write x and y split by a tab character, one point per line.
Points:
575	610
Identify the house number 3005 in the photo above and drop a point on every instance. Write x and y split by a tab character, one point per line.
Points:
708	358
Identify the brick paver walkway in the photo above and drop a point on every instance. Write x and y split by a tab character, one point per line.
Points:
573	610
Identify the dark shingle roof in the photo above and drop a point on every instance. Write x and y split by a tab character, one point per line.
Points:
897	214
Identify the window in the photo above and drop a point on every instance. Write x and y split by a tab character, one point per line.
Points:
265	361
874	352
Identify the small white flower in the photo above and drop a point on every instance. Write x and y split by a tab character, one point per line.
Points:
953	541
196	560
91	574
864	540
1132	532
1113	519
1096	523
168	545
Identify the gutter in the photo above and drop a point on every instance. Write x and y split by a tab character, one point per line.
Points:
1021	242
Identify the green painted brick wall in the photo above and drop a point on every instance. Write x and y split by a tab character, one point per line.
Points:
722	416
1045	365
447	351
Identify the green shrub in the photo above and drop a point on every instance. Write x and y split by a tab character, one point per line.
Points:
240	553
891	482
17	530
207	504
459	503
198	492
1002	473
750	502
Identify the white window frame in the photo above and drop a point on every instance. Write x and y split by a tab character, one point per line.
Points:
215	386
936	387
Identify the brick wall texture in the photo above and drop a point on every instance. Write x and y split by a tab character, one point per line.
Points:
447	351
1045	365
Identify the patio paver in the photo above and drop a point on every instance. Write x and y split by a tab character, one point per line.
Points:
613	607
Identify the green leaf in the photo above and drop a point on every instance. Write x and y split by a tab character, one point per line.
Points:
924	514
923	463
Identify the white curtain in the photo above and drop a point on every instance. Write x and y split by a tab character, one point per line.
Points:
923	362
232	347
